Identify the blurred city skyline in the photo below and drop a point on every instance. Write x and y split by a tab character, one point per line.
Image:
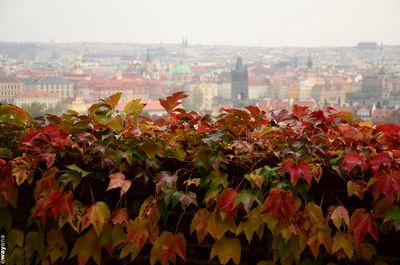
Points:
307	23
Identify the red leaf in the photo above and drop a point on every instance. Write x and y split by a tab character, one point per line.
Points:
379	160
225	202
362	222
296	170
117	180
281	204
120	216
387	184
167	246
351	160
45	157
52	134
388	128
52	205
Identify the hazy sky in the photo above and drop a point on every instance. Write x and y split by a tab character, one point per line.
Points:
236	22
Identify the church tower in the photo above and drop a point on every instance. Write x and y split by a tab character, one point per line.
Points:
239	83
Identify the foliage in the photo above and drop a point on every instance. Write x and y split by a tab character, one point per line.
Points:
311	187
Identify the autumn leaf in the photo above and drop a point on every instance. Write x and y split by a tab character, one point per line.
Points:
117	180
255	178
52	205
166	247
340	216
320	237
83	249
301	168
352	160
225	202
165	178
343	242
386	183
96	215
315	215
247	199
171	102
217	227
378	161
252	224
362	222
120	216
226	249
138	233
356	188
134	107
113	99
281	204
200	224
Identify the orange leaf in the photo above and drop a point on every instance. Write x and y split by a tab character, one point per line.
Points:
120	216
138	233
166	247
226	249
52	205
281	204
356	187
200	224
320	237
362	222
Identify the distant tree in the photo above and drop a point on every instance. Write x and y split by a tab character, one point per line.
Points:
35	109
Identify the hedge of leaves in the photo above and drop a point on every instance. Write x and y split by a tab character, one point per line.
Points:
308	187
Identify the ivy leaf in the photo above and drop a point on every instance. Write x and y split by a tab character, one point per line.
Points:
340	216
314	213
362	222
53	204
225	202
166	247
113	99
320	237
96	215
22	169
226	249
152	149
378	161
247	199
217	226
34	242
253	224
171	102
117	180
356	188
83	249
79	170
57	248
352	160
165	178
200	224
255	178
120	216
5	220
47	158
138	233
387	184
343	242
281	204
301	168
393	214
134	107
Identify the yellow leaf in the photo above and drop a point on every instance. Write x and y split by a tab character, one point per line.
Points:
134	107
200	224
315	215
217	227
96	215
255	178
226	249
194	181
367	251
339	216
343	241
320	237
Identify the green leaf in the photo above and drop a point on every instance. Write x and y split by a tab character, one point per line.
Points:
226	249
5	220
75	168
393	214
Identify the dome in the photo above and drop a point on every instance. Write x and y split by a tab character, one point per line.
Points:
181	69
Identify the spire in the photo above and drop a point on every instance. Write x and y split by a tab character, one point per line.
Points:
309	62
239	63
148	58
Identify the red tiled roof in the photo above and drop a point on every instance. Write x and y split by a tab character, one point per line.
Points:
36	94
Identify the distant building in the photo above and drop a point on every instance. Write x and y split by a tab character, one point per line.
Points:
9	88
239	83
180	73
29	97
63	88
367	46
